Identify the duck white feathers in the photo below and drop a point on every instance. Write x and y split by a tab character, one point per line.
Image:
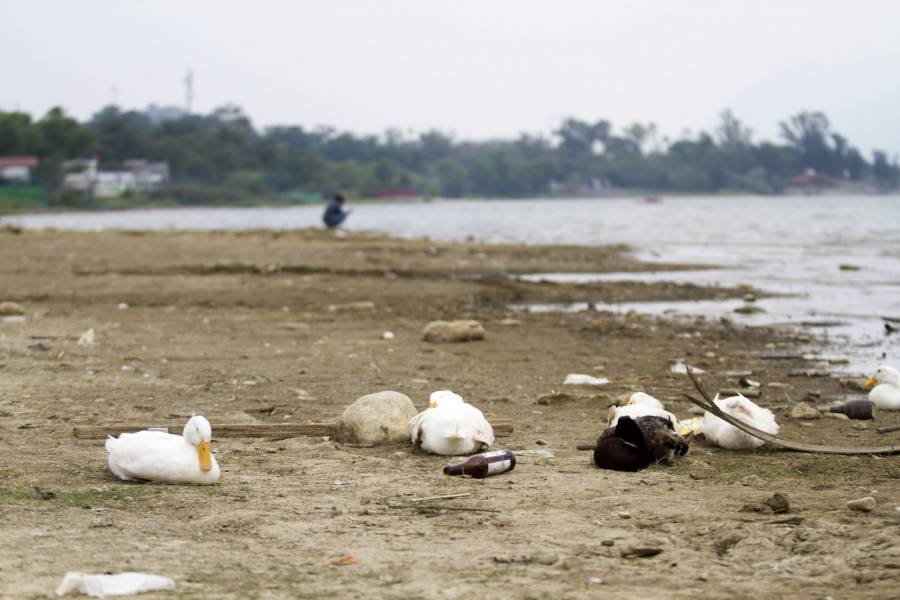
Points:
450	427
165	457
727	435
640	405
885	384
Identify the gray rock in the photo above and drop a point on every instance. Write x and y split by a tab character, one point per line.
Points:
453	331
804	411
380	418
11	309
865	504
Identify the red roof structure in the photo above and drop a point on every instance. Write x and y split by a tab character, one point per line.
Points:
18	161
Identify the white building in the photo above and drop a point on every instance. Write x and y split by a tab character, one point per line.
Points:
16	169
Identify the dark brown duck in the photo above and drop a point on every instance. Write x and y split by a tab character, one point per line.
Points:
634	444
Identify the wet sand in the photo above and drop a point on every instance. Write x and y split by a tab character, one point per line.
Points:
250	328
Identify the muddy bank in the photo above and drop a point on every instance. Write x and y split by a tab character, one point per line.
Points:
264	328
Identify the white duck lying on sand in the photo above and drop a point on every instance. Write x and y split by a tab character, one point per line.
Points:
640	405
164	457
645	400
450	427
727	435
885	384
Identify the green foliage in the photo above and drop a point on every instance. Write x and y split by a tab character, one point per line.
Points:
220	158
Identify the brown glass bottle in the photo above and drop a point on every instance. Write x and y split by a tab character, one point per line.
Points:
483	465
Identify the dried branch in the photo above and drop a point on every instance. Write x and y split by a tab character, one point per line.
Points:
710	406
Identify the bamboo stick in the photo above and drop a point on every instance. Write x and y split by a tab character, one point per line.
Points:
502	427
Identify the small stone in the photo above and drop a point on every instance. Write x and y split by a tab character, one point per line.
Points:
453	331
11	309
751	481
860	425
749	297
510	322
623	514
595	581
387	335
804	411
608	543
380	418
541	442
122	306
839	416
865	504
848	267
779	503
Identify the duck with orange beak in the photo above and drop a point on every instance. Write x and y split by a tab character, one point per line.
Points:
163	457
885	386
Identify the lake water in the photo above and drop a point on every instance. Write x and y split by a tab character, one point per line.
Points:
790	246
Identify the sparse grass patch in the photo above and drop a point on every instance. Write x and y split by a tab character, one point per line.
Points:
91	497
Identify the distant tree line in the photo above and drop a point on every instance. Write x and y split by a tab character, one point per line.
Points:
222	155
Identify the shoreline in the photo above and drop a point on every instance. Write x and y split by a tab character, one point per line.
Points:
286	326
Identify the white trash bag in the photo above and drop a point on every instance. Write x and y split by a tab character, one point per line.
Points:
121	584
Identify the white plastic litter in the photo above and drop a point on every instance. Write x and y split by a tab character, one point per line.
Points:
87	338
388	335
121	584
122	306
580	379
680	368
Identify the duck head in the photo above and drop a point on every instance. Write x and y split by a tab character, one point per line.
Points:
198	433
884	374
665	445
444	398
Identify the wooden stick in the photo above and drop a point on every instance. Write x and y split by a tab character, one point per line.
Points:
709	405
888	429
444	497
502	427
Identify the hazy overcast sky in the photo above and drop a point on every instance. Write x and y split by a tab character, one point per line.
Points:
477	68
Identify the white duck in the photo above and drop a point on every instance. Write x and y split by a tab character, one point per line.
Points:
450	427
164	457
640	405
646	400
727	435
885	384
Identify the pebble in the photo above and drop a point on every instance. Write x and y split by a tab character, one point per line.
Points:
11	309
623	514
804	411
749	310
860	425
387	335
779	503
864	504
453	331
839	416
352	306
595	581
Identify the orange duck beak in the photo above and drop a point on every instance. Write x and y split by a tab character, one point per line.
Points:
205	455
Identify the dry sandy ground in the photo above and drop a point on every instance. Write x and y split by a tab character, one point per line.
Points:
240	327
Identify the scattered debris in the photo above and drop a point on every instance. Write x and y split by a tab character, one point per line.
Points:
581	379
387	335
122	306
641	552
849	267
87	338
748	383
680	368
864	504
43	494
120	584
749	309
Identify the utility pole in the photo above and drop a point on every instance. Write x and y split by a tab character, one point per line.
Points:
189	91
